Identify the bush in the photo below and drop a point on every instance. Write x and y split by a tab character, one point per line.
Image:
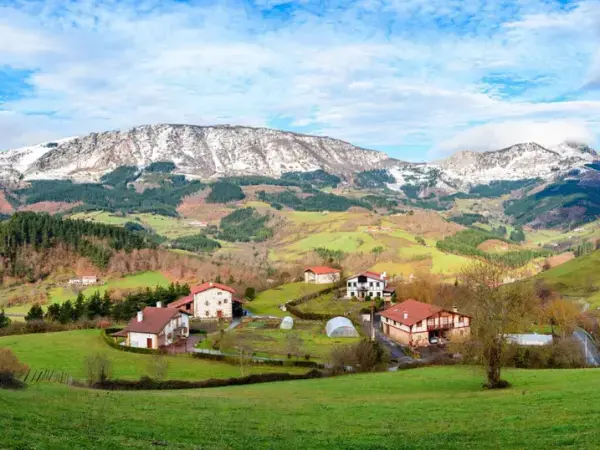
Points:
158	367
98	368
10	369
364	356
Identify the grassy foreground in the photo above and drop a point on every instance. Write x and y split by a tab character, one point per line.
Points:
67	351
416	409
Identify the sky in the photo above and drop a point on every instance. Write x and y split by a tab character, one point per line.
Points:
418	79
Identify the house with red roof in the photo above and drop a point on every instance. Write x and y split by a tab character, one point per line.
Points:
367	284
156	327
208	301
420	324
321	275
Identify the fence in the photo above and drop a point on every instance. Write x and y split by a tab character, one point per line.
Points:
49	375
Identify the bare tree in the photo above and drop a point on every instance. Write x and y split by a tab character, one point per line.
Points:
497	310
158	367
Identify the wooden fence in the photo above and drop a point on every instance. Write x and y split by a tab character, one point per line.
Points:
49	375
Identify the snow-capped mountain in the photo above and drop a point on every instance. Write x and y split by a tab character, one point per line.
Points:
518	162
213	151
198	151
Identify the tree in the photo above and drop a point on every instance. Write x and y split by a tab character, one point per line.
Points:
4	320
79	307
66	312
250	293
419	240
35	313
292	344
496	310
563	315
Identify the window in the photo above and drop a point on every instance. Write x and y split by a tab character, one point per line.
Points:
225	301
379	294
420	324
219	293
206	303
349	284
207	313
219	302
370	284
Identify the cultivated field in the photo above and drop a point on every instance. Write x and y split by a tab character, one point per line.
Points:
331	304
544	409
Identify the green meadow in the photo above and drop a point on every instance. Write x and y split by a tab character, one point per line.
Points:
266	303
437	407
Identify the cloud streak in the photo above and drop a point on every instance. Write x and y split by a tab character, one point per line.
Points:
409	76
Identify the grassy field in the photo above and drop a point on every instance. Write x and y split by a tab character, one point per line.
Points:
330	304
266	303
346	241
139	280
170	227
545	409
579	277
67	351
265	338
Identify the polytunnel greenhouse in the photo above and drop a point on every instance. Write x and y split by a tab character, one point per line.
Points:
287	323
340	327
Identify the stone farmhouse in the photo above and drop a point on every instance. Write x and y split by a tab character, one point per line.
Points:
321	275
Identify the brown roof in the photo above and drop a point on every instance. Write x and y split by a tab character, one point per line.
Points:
416	311
369	274
322	270
238	300
154	321
120	333
181	302
206	286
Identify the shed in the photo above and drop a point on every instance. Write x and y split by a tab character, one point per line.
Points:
287	323
340	327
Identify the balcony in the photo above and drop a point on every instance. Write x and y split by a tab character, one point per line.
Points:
440	326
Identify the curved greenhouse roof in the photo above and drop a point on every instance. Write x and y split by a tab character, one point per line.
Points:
287	323
340	327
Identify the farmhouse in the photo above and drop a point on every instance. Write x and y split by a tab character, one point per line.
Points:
366	284
85	280
208	301
420	324
156	327
321	275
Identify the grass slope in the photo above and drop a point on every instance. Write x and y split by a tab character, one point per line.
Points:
267	301
417	409
67	351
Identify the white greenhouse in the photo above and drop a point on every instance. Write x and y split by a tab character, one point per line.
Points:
287	323
340	327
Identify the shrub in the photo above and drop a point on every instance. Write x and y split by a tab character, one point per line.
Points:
158	367
364	356
98	368
10	369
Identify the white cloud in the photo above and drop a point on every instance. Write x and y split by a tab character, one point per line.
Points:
493	136
379	73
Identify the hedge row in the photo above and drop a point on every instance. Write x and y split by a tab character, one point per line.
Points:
42	326
232	359
151	384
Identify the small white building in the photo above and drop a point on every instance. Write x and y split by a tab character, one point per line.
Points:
321	275
366	284
156	327
86	280
532	339
208	301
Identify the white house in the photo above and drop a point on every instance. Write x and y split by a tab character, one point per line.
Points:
366	284
85	280
208	301
156	327
321	275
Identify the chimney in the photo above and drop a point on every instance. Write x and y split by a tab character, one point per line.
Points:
405	315
210	284
384	275
140	317
454	309
159	304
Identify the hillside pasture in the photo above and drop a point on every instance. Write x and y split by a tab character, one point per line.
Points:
67	351
266	303
544	409
331	304
131	282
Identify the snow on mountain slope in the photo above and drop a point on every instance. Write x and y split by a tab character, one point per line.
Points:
201	152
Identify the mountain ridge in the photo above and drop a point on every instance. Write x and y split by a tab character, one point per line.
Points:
212	151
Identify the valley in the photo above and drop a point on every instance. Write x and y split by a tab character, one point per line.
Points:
105	237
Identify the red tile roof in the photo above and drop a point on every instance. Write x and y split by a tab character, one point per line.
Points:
369	274
416	311
154	320
181	302
322	270
206	286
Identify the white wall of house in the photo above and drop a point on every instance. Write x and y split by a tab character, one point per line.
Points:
324	278
207	304
139	340
373	287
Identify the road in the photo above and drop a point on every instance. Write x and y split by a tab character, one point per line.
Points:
592	356
395	349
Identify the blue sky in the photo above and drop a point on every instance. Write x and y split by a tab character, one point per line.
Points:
416	78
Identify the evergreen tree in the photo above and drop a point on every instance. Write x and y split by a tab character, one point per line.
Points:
66	312
105	305
53	313
250	293
35	313
4	320
79	309
94	306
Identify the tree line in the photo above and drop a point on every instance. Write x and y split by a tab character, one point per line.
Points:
97	305
320	201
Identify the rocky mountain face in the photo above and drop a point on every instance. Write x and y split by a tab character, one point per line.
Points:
213	151
198	151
